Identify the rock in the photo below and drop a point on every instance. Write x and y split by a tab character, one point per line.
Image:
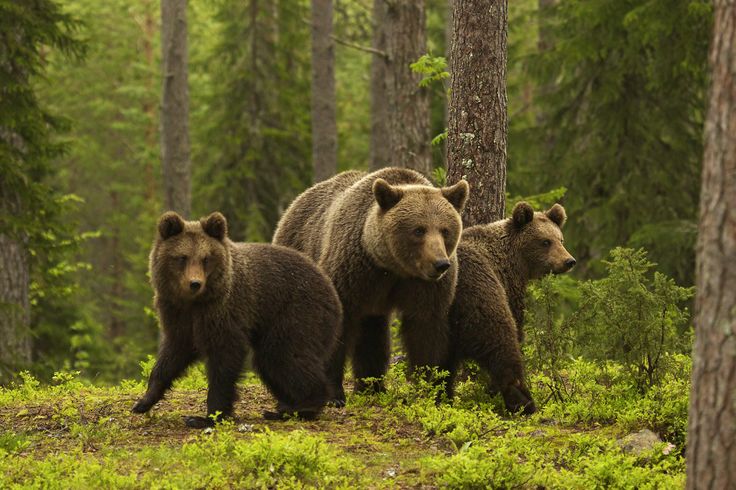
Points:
639	442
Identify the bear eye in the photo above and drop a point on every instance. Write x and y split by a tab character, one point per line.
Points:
204	261
182	259
445	232
546	243
419	231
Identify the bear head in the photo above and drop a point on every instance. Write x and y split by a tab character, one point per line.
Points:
537	236
190	260
414	229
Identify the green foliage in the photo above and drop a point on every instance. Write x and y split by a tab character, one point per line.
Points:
31	205
433	70
538	201
641	316
257	129
611	107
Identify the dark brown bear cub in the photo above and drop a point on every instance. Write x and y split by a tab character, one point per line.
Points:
497	260
216	298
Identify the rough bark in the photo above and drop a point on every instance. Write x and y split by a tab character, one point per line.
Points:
380	151
400	32
477	130
324	124
15	335
711	449
175	148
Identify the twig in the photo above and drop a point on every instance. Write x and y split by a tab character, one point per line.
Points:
367	49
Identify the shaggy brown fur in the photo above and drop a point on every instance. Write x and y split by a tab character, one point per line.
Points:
215	298
497	260
387	240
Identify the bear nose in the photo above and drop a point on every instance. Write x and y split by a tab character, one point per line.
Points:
442	265
570	263
195	285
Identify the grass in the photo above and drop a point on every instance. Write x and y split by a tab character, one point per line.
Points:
73	435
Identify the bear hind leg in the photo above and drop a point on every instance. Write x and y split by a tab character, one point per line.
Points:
371	354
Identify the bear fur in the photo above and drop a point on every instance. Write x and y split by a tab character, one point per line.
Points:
387	240
497	260
216	298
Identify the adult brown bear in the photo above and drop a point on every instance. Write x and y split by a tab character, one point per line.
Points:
387	240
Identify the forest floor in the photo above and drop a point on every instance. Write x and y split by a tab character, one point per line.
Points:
72	435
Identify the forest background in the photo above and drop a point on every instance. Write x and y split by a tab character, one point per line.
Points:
605	108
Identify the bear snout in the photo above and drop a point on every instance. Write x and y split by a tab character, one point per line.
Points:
570	263
441	266
195	285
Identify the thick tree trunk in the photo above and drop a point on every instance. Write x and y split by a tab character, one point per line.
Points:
15	335
380	152
324	125
175	149
711	448
477	130
400	32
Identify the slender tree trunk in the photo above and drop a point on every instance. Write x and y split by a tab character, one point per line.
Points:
15	346
380	151
711	448
477	131
401	25
175	150
324	125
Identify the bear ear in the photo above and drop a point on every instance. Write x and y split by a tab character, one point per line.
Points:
215	225
523	214
557	214
457	194
386	195
170	224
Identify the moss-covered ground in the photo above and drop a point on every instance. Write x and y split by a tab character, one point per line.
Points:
70	434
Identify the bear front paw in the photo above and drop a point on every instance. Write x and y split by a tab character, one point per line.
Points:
196	422
518	399
143	405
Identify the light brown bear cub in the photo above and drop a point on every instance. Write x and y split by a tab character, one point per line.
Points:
497	260
387	240
216	298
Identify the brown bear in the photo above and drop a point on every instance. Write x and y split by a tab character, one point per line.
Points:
387	240
215	298
496	262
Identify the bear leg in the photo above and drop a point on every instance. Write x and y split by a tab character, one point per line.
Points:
371	356
224	366
175	355
293	370
336	373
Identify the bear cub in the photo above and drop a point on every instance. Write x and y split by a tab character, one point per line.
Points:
216	298
497	260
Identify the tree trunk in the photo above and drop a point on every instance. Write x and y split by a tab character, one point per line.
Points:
15	347
175	150
324	125
400	117
711	448
380	151
477	130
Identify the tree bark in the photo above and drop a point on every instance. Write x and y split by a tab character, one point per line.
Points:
15	347
711	449
478	127
324	124
175	148
380	151
400	108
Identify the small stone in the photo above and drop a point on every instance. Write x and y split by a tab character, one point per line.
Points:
245	428
639	442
